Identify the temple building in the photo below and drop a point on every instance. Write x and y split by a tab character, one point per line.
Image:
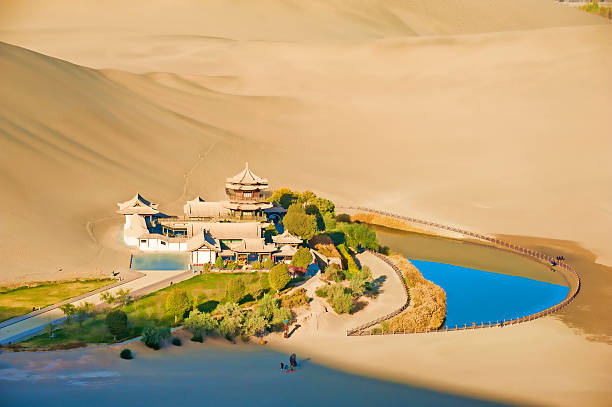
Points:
245	191
232	230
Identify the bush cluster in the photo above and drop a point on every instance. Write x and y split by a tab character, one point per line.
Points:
126	354
295	299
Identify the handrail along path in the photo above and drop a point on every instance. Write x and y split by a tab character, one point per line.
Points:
574	281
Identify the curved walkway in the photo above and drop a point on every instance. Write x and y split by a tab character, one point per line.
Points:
568	271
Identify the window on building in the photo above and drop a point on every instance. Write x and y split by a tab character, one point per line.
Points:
248	194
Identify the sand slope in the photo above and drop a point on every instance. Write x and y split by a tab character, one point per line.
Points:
498	132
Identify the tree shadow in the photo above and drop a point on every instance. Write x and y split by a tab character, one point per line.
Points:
247	298
358	306
295	328
208	306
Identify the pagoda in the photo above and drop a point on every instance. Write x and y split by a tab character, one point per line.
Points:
245	193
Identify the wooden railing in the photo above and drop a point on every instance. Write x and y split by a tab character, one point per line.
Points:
574	281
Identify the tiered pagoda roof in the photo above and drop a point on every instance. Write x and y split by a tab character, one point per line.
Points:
246	180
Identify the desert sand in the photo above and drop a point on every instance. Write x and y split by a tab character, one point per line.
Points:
491	115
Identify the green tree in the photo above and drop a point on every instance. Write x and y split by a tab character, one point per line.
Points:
123	296
269	232
358	236
329	221
279	277
219	263
117	323
108	298
69	310
254	324
266	306
232	320
177	302
299	223
302	258
235	290
154	337
200	323
83	311
361	281
284	197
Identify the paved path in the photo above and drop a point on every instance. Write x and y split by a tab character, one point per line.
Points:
322	321
151	281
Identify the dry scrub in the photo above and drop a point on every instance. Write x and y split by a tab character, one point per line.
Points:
386	221
427	309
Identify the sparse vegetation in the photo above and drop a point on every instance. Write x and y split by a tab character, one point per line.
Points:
295	299
427	309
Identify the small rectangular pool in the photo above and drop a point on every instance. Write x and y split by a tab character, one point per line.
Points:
160	261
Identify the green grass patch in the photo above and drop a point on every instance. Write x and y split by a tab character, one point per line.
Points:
20	300
209	288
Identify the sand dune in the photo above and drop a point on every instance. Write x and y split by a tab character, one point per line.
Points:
492	115
498	132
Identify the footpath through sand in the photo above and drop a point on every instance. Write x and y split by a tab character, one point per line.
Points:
152	280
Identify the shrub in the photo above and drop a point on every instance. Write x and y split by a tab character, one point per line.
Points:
342	303
302	258
177	341
206	267
117	323
231	323
126	354
279	277
219	263
361	281
322	292
333	273
266	306
232	265
295	299
257	265
340	299
347	258
268	263
197	338
177	303
154	337
200	323
299	223
254	324
235	290
280	316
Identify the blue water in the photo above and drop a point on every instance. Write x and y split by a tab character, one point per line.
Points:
480	296
160	261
